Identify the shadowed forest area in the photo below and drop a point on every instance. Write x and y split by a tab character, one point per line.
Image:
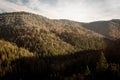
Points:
84	65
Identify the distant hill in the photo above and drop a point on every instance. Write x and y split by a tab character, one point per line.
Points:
110	29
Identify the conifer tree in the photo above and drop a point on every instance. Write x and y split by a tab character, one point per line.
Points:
102	63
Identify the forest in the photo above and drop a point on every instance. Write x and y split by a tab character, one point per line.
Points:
35	47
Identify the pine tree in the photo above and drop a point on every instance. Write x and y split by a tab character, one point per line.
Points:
102	64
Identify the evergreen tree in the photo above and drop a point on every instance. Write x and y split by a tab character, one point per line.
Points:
102	63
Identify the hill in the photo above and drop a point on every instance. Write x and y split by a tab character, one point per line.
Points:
45	36
110	29
35	47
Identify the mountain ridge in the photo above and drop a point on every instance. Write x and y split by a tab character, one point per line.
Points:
110	29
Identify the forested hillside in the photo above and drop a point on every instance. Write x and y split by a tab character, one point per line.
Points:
47	37
36	47
110	29
8	53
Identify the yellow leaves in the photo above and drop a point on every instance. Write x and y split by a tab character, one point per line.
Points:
9	51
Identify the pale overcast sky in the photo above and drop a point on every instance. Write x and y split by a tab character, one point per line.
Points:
78	10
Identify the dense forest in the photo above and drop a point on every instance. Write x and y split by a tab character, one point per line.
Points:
35	47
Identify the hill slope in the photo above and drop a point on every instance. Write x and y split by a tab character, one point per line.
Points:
8	53
110	29
47	46
44	36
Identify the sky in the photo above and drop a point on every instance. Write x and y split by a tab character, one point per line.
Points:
77	10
